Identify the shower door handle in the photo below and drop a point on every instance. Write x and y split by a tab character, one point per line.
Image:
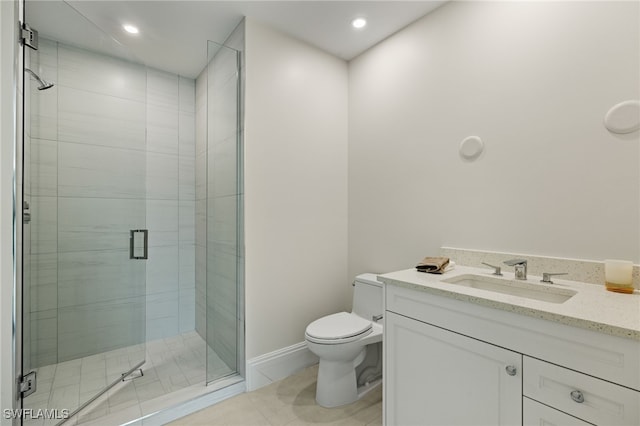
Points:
139	244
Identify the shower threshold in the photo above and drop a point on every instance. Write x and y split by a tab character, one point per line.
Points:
172	380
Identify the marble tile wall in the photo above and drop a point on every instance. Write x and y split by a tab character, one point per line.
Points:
170	204
112	149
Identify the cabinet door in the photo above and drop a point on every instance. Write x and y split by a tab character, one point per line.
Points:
437	377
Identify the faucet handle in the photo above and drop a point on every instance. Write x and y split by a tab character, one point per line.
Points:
546	276
496	269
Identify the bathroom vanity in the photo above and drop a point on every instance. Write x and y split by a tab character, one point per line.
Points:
467	348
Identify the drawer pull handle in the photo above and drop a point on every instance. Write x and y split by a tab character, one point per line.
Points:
511	370
577	396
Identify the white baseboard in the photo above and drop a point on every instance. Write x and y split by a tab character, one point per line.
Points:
273	366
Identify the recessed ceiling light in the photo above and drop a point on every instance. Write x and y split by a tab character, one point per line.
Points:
359	23
131	29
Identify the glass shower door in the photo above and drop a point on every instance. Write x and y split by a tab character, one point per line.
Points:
223	214
84	247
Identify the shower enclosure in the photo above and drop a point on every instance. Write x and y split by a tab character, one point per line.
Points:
132	263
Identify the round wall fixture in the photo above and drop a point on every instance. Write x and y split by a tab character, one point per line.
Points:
623	118
471	147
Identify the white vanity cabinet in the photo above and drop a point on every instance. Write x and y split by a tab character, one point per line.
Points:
537	414
436	377
588	398
448	362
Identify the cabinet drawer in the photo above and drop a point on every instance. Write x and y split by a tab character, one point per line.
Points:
593	400
536	414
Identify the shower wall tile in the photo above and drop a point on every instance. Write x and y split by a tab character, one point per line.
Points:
222	111
163	317
201	175
223	337
221	296
98	171
201	223
97	223
163	89
162	130
96	119
162	222
47	54
43	279
44	225
201	313
162	176
99	327
201	132
126	159
187	178
187	87
222	220
102	74
187	123
201	90
224	68
43	160
87	277
43	116
241	177
187	277
187	309
186	163
223	168
162	269
201	113
201	286
221	261
187	222
44	331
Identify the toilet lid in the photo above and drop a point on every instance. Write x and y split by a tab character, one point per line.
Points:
338	326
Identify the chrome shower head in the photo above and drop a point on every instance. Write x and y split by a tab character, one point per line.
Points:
44	85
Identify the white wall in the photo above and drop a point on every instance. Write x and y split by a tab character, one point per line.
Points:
534	81
295	191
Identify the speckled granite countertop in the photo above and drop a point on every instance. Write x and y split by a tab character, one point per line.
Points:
592	307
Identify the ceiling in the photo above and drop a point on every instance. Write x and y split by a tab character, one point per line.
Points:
173	34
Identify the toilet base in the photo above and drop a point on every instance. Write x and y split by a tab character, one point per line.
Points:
337	382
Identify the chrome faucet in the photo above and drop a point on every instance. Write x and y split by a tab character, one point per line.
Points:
496	269
546	276
520	266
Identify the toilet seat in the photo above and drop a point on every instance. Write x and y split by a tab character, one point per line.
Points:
338	328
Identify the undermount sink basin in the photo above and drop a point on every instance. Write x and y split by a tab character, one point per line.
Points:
541	292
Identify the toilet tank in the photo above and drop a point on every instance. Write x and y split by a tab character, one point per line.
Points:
367	296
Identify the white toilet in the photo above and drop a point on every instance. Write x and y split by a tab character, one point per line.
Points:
349	346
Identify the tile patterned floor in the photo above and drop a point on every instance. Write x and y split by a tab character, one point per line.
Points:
172	364
290	401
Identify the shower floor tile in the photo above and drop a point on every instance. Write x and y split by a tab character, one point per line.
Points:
172	364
